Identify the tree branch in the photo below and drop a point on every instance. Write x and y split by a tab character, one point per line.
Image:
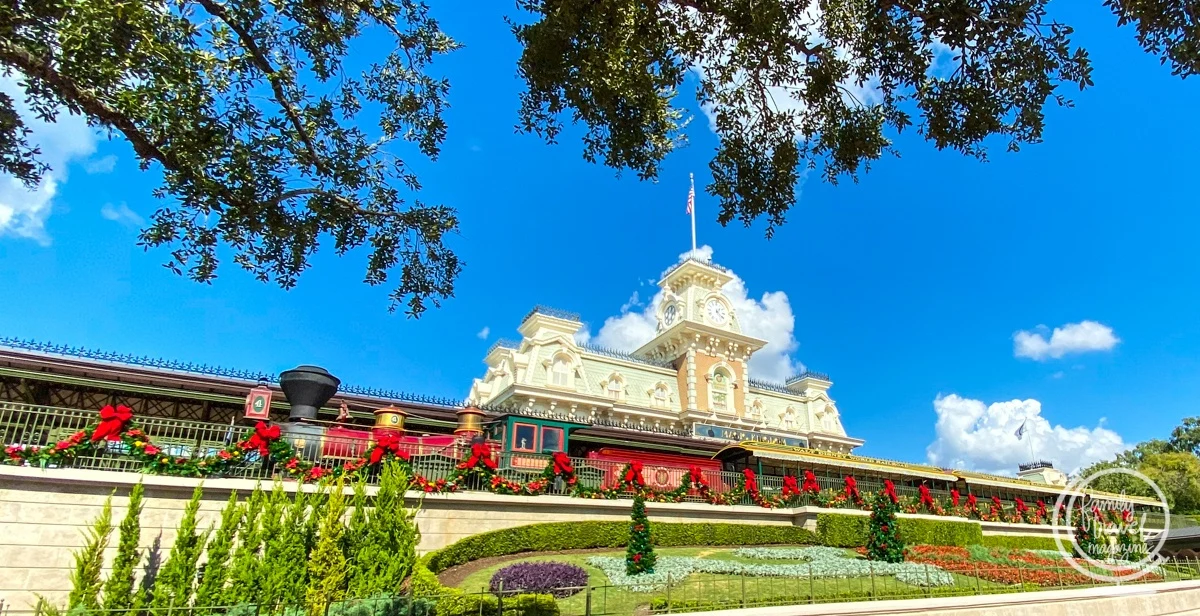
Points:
260	60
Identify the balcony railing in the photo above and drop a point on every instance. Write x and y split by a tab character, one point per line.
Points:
39	426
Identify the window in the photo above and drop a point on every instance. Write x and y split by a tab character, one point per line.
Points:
719	387
660	396
615	388
561	371
552	439
524	437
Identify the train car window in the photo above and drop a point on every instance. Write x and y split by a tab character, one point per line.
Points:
552	439
524	437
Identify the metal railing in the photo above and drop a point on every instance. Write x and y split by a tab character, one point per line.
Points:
39	426
695	593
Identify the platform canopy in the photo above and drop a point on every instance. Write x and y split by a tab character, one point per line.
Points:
817	457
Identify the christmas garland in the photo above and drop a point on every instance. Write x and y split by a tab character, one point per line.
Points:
115	429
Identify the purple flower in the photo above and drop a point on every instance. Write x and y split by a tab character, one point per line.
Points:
558	579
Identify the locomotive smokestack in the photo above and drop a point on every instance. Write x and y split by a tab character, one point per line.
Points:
307	388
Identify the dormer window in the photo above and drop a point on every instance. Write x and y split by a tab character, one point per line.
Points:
561	371
615	387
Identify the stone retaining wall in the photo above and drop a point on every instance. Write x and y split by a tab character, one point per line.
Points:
43	515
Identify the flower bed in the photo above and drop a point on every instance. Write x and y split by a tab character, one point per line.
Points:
822	562
559	579
1006	566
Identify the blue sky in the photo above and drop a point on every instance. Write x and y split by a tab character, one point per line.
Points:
907	288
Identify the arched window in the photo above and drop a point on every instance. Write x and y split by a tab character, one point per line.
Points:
788	421
719	386
561	371
615	387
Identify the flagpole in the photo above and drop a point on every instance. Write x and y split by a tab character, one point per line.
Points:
692	178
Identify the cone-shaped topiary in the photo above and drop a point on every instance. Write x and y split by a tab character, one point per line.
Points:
639	556
883	536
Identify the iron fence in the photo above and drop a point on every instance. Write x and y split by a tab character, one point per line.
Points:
695	592
39	426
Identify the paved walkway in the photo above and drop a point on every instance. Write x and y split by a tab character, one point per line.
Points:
1160	599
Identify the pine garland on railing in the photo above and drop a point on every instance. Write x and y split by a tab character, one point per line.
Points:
479	470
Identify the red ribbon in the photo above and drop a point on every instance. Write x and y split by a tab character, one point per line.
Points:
633	474
954	497
480	452
852	489
890	489
562	464
387	443
262	438
112	422
810	483
790	487
751	482
925	497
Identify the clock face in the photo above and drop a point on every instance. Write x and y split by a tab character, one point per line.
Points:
669	314
716	310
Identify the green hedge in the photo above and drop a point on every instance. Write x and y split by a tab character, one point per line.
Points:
556	536
850	531
660	605
1018	542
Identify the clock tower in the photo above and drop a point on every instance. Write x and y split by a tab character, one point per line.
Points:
699	333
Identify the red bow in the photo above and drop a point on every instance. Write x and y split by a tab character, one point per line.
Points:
954	497
972	502
890	489
751	483
480	452
262	438
810	483
696	477
1021	506
633	474
1126	515
112	422
790	487
562	464
387	443
996	505
852	488
925	496
1041	508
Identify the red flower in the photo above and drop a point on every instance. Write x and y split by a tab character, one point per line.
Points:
150	450
224	455
112	421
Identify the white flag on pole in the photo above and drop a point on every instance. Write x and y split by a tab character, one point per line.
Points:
1020	433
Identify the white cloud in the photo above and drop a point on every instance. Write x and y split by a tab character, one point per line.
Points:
975	436
483	333
23	212
121	213
1071	338
104	164
769	318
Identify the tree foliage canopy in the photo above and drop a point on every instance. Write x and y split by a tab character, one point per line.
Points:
1172	464
269	140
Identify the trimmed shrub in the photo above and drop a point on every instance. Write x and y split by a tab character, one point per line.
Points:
556	536
558	579
383	605
940	532
1018	542
489	605
851	531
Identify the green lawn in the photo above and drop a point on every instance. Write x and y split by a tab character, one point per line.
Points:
723	590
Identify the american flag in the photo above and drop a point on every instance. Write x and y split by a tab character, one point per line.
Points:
691	197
